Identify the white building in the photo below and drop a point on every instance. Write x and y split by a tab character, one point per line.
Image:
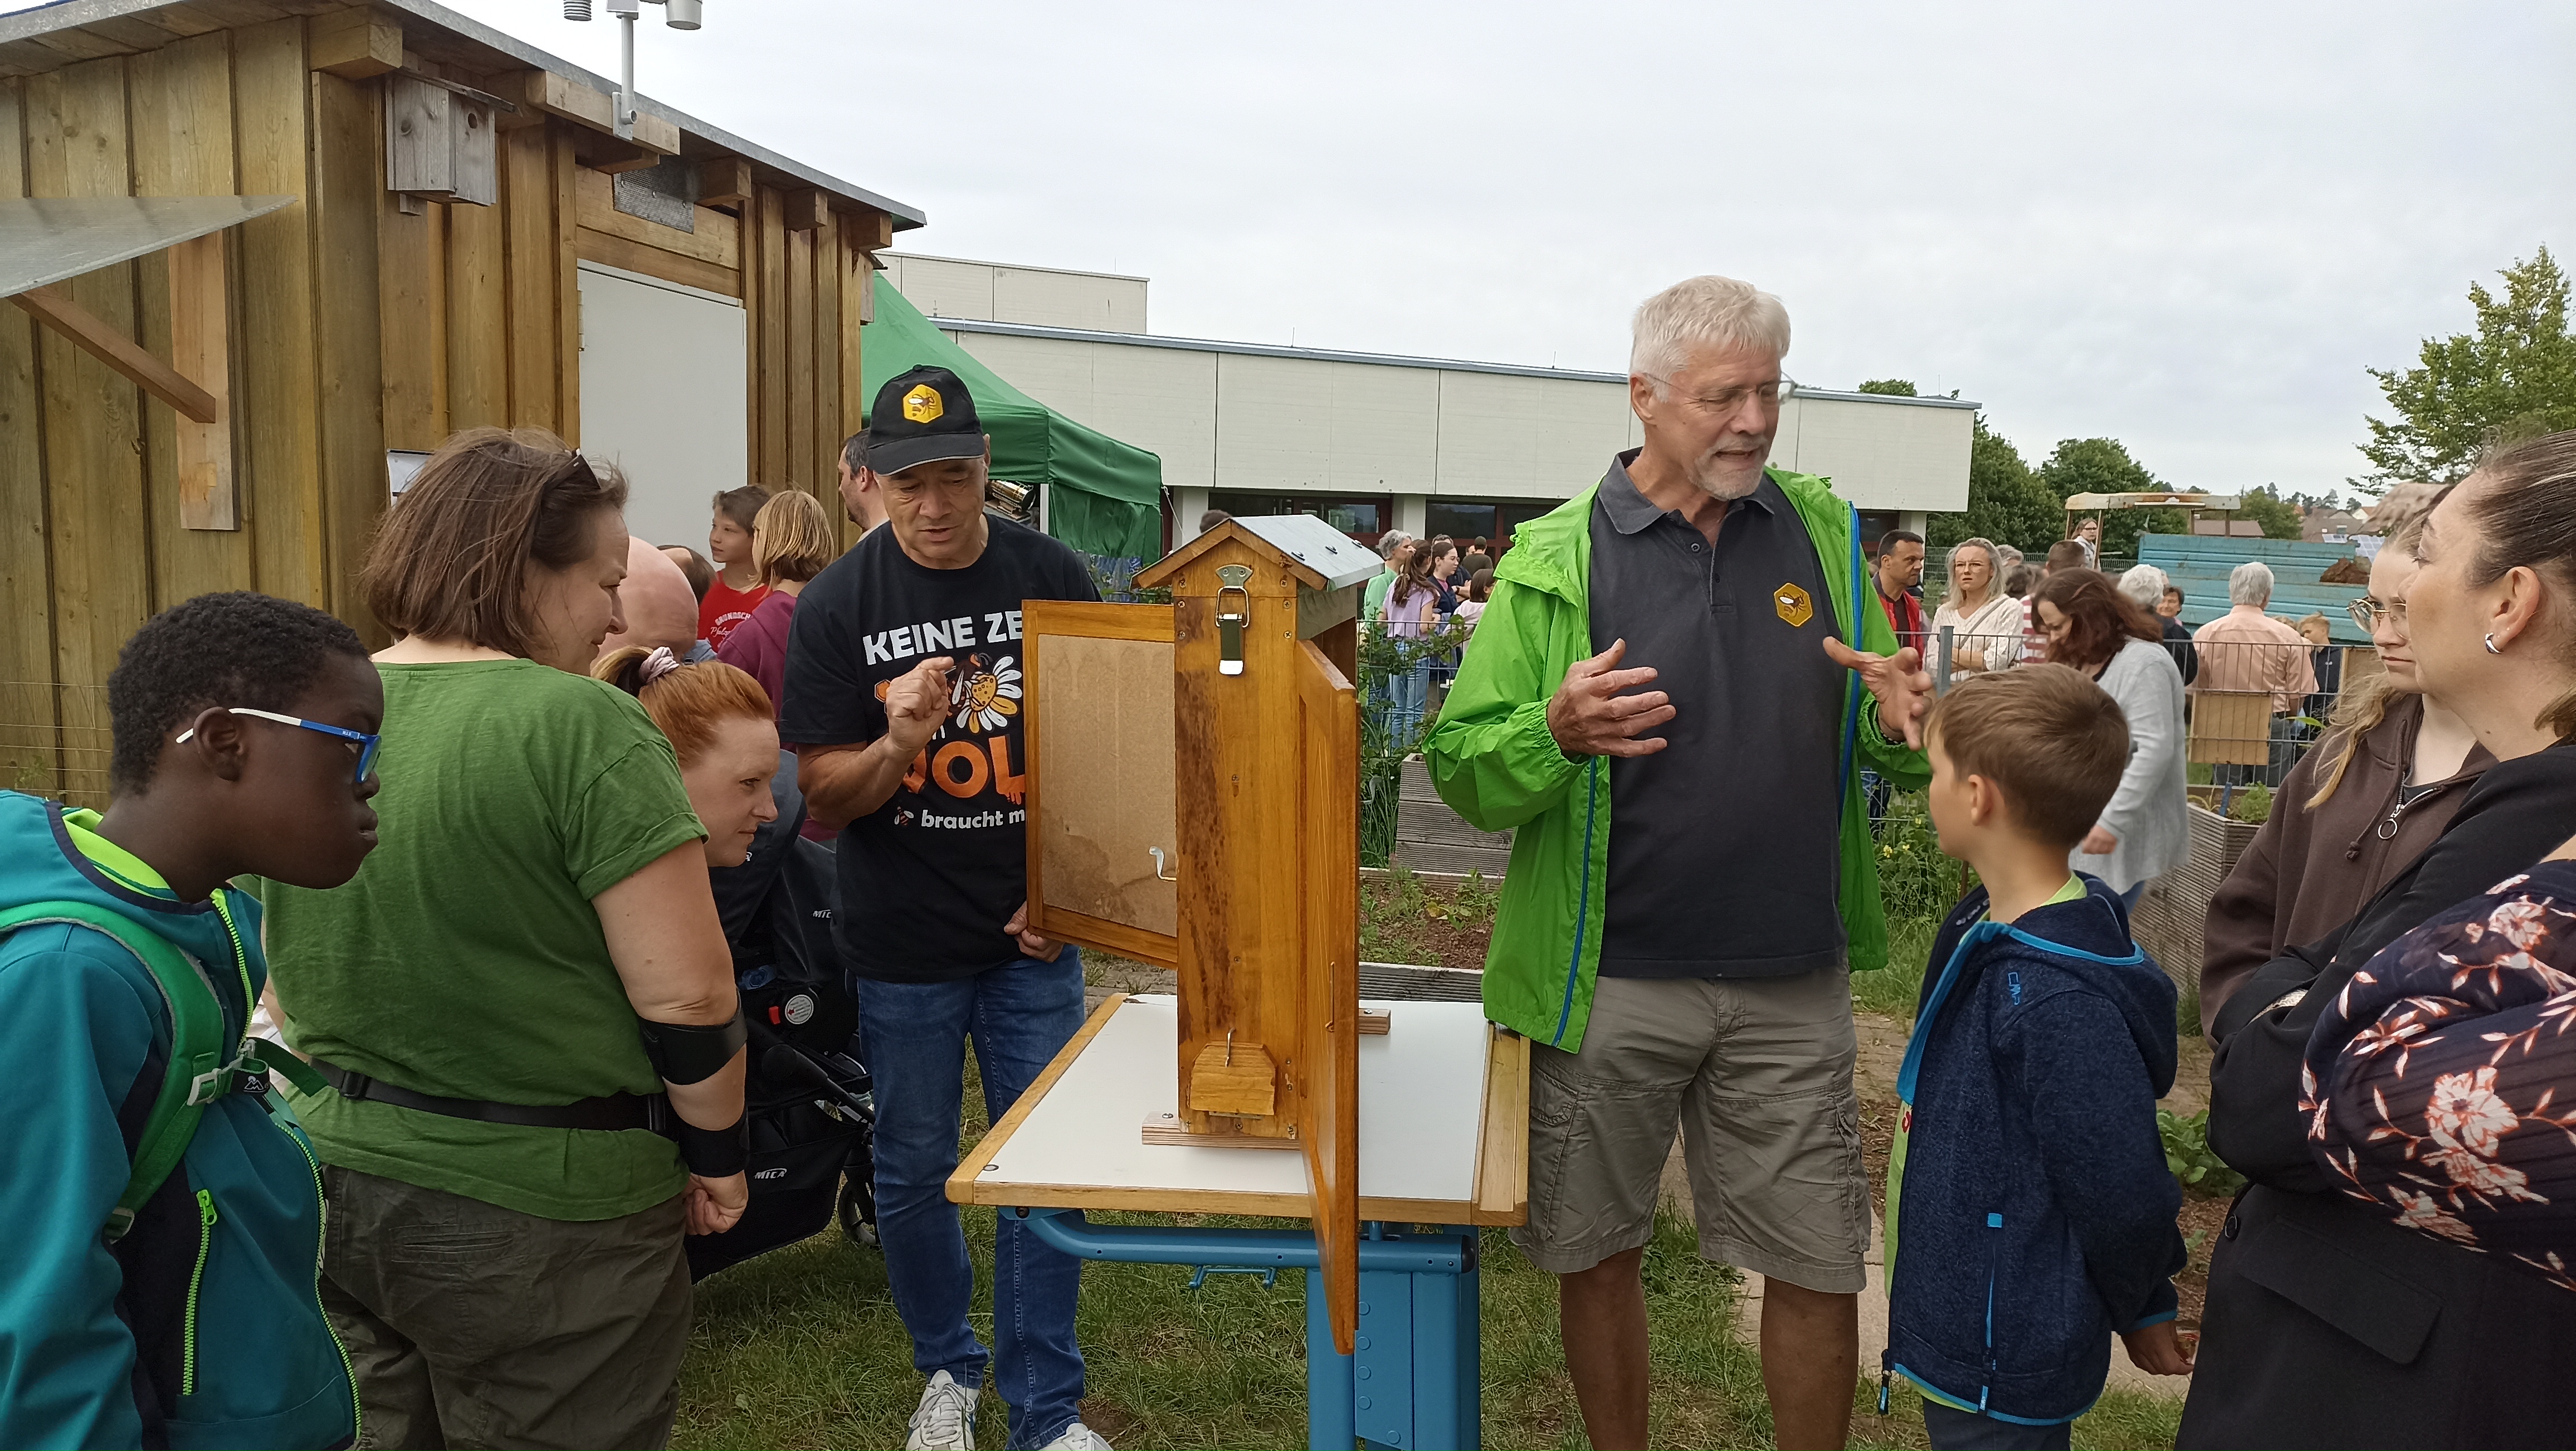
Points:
1371	441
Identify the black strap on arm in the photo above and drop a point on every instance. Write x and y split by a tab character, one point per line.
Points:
685	1053
713	1153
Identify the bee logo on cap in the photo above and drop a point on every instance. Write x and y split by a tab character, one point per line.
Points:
1794	604
923	405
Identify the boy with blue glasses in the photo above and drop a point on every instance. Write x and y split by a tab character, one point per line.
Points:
167	1207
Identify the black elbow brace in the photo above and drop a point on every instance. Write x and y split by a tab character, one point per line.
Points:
692	1052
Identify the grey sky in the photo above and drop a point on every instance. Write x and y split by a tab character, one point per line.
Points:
2189	228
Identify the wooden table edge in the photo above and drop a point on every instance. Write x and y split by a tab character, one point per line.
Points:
961	1184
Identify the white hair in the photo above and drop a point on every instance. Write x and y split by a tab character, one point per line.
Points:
1391	541
1704	312
2146	584
2250	583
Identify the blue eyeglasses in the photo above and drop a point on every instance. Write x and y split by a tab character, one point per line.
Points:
365	745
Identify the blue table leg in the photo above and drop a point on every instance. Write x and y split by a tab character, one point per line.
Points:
1412	1383
1329	1425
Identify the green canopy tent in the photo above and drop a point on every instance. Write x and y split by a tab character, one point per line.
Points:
1103	497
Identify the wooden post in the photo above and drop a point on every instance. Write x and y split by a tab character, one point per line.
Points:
200	348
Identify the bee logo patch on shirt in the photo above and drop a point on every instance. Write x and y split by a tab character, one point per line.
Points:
1794	604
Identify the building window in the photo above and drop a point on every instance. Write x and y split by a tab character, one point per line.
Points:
1492	520
1361	517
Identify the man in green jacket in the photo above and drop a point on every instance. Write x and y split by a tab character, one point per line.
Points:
1668	652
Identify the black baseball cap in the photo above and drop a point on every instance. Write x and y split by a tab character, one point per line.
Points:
921	417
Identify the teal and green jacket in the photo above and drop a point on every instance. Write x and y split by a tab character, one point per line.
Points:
1492	759
203	1325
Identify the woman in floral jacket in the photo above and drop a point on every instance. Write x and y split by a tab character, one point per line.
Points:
2441	1084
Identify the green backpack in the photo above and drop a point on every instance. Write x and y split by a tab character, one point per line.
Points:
199	1069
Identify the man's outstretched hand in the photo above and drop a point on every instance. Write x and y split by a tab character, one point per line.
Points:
1902	685
1589	717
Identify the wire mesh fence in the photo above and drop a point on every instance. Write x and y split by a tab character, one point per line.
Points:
54	740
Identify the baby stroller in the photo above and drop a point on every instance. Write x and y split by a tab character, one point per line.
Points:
811	1106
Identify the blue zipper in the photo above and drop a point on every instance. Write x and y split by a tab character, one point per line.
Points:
1582	900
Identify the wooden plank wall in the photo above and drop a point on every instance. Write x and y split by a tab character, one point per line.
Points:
357	328
90	540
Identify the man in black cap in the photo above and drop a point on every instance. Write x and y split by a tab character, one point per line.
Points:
905	698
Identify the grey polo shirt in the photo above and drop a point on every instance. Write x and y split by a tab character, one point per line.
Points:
1725	846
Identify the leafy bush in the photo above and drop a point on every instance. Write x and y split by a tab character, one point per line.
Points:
2188	1155
2253	804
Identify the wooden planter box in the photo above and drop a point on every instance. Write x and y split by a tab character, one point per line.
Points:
2174	910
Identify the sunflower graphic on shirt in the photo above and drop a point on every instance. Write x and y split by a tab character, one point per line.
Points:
987	695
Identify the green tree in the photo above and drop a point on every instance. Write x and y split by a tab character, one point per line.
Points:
2280	519
1894	387
2006	502
2104	466
2515	378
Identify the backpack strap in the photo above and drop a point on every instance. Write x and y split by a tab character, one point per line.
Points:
199	1068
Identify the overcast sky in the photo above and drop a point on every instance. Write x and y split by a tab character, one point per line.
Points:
2187	228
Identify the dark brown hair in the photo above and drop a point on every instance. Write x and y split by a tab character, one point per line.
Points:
2525	506
2068	554
450	560
695	567
2098	616
2052	741
1417	569
689	701
742	505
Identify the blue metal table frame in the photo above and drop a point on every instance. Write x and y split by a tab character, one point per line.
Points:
1412	1379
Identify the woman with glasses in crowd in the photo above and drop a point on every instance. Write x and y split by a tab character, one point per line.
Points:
2353	1297
2363	803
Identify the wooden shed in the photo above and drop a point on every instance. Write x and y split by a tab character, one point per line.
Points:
228	408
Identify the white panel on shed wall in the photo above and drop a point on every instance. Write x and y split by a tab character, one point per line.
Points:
1515	437
1881	456
941	288
1044	298
665	390
1296	423
1385	428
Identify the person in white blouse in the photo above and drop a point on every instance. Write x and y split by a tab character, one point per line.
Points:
1987	623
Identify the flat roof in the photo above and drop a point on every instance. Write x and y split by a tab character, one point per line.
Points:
1382	360
62	15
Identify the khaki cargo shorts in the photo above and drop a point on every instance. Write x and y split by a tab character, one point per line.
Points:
1757	1074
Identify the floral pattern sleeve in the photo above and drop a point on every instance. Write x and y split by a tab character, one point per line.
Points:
2440	1086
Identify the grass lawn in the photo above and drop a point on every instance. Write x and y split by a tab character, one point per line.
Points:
802	1348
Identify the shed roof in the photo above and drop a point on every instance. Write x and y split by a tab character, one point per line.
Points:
66	32
44	240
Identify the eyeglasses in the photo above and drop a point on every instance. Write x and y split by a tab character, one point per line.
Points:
1725	401
2366	611
360	742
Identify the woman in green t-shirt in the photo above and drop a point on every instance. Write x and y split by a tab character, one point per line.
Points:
529	962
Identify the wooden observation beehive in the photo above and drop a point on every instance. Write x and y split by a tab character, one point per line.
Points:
1193	800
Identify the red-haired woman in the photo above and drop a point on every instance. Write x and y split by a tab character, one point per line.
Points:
2090	625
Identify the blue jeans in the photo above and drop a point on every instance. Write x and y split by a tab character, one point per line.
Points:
1406	694
1019	1014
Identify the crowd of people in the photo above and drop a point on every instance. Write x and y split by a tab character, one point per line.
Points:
485	887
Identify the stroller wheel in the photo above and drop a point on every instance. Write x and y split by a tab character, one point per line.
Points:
857	1212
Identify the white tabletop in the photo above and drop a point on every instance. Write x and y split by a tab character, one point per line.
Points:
1422	1106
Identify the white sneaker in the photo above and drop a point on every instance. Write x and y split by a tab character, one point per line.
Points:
945	1419
1078	1437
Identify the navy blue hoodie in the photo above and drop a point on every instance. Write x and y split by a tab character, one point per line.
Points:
2031	1214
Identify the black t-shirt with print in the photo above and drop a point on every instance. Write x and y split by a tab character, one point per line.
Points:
928	879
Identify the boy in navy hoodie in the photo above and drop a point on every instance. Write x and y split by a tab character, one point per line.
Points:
2029	1211
160	1287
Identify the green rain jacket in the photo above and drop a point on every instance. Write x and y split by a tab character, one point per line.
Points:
1492	759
